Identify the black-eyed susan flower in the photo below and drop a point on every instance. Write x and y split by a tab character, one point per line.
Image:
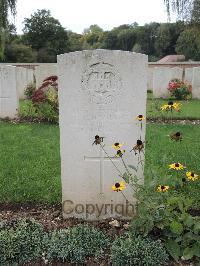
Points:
162	188
138	146
176	166
177	106
171	106
117	145
119	186
97	140
164	107
120	153
192	176
176	136
140	117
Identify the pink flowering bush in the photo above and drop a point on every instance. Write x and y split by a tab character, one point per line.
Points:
179	89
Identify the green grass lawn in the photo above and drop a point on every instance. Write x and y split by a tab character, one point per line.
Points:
30	159
162	151
30	163
189	110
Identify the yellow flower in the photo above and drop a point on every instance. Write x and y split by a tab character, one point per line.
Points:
117	145
176	166
118	186
192	176
140	117
171	106
120	153
177	106
164	107
162	188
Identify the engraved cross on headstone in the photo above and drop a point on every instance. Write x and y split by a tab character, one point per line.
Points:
102	158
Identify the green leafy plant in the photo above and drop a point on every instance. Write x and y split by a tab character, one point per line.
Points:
44	102
46	112
137	250
75	244
20	242
30	89
167	217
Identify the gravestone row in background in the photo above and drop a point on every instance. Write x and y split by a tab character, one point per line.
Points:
9	101
196	83
43	71
159	77
100	93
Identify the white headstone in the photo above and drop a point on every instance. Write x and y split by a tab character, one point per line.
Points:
150	78
43	71
9	101
24	77
196	83
188	75
161	78
100	93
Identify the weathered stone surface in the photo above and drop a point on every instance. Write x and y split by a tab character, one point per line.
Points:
24	76
43	71
150	78
100	93
196	83
9	101
188	75
161	78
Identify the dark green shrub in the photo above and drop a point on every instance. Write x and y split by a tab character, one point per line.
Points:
30	89
132	250
20	242
166	215
75	244
46	112
44	102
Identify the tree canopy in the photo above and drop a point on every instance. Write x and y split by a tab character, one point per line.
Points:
46	35
5	7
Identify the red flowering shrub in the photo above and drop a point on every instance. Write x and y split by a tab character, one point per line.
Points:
49	81
51	78
179	89
38	96
45	99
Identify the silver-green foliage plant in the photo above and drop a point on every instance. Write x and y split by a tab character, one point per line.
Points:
75	244
20	242
138	251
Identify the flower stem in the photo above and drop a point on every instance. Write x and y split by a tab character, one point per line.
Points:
121	175
126	168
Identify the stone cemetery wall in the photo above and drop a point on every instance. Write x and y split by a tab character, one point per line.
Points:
43	71
161	78
9	101
24	76
196	83
150	78
100	93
